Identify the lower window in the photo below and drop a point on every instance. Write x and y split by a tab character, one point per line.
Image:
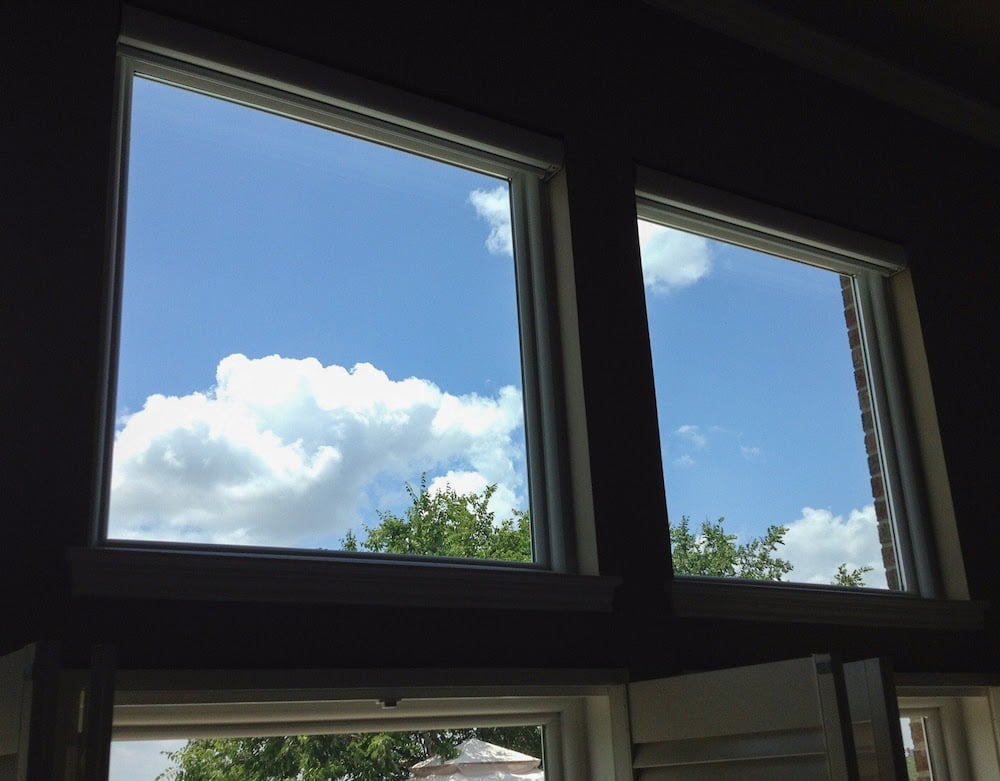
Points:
513	753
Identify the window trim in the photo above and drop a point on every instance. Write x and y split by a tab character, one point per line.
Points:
874	264
214	64
583	711
963	727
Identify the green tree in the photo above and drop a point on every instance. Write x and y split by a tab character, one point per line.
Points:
854	577
378	756
447	523
712	551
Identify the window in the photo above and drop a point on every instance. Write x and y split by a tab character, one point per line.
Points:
949	732
565	727
326	328
390	754
783	419
916	730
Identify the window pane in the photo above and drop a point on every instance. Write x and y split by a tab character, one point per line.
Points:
513	753
918	765
318	333
760	424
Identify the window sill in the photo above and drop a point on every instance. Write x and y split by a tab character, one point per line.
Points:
793	602
240	577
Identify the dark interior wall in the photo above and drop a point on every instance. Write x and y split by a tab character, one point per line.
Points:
618	83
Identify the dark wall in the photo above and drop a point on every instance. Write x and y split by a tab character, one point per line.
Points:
618	83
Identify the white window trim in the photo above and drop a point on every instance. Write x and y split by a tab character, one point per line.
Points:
933	573
963	723
562	533
583	713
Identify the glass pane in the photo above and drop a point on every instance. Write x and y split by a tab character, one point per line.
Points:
319	336
918	764
497	753
767	468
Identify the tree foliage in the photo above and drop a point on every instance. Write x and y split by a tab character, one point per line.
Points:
377	756
448	523
853	577
712	551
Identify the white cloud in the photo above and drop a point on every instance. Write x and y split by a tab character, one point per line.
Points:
290	452
494	207
751	453
672	259
684	460
141	759
501	503
693	434
819	541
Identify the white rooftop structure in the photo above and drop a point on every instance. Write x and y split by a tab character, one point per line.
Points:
482	761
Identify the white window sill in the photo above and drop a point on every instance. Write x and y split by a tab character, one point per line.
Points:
151	573
794	602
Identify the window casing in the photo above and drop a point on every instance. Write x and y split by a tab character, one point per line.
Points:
576	719
174	54
157	71
867	267
956	729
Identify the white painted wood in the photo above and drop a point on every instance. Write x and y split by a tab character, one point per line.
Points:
770	697
30	742
14	678
721	215
15	711
228	60
783	720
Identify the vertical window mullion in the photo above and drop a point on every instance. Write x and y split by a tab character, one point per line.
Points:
108	387
547	470
914	543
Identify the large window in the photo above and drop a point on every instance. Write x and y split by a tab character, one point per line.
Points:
321	320
169	722
779	400
455	752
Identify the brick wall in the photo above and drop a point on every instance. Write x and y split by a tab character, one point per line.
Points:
885	534
921	759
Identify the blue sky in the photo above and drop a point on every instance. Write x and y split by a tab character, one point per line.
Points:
758	411
311	321
324	319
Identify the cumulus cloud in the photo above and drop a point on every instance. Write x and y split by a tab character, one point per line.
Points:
494	207
141	759
672	259
819	541
290	452
692	434
501	503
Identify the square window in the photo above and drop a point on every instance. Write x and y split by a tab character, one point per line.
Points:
320	330
776	391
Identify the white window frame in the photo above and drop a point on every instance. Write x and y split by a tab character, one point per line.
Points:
584	718
962	723
562	534
927	551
